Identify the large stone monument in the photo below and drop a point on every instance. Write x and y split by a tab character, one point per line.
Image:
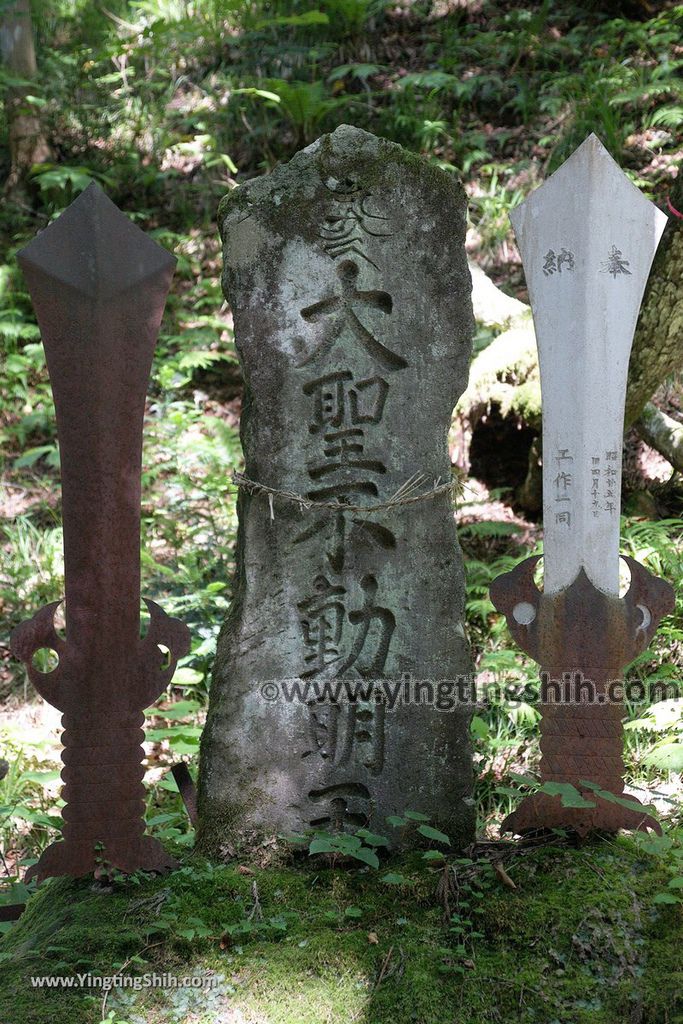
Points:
347	275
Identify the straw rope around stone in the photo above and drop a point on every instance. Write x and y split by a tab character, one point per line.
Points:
405	495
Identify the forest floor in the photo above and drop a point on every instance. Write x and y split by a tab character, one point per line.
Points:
554	935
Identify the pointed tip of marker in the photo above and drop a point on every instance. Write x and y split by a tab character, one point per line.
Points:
589	170
94	248
591	148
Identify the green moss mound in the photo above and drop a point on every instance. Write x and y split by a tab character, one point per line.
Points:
578	940
506	374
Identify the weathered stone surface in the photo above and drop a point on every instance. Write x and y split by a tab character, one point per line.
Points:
347	275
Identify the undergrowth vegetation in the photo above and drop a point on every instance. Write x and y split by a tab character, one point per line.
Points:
167	104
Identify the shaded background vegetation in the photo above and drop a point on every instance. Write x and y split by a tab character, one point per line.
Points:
168	104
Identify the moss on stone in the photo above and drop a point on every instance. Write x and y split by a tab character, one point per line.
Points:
353	149
579	941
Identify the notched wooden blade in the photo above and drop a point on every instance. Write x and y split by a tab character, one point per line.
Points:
587	238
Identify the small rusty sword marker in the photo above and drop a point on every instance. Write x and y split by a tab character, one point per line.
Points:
98	286
587	239
583	639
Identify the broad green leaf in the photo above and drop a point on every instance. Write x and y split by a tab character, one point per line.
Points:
320	845
525	780
45	778
666	757
37	818
508	791
348	842
623	801
174	732
367	856
371	839
185	676
31	456
479	728
433	833
569	794
393	878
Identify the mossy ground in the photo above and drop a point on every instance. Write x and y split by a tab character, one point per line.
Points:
579	940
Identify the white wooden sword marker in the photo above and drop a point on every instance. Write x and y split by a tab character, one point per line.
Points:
587	239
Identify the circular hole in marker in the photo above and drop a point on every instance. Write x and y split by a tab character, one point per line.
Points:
624	578
166	663
45	660
646	616
524	613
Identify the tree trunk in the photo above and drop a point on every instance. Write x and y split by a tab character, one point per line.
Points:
504	376
27	143
658	344
662	433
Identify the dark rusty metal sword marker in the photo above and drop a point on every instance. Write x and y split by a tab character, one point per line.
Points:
98	286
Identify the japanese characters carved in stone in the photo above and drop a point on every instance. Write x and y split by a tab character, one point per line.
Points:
347	276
